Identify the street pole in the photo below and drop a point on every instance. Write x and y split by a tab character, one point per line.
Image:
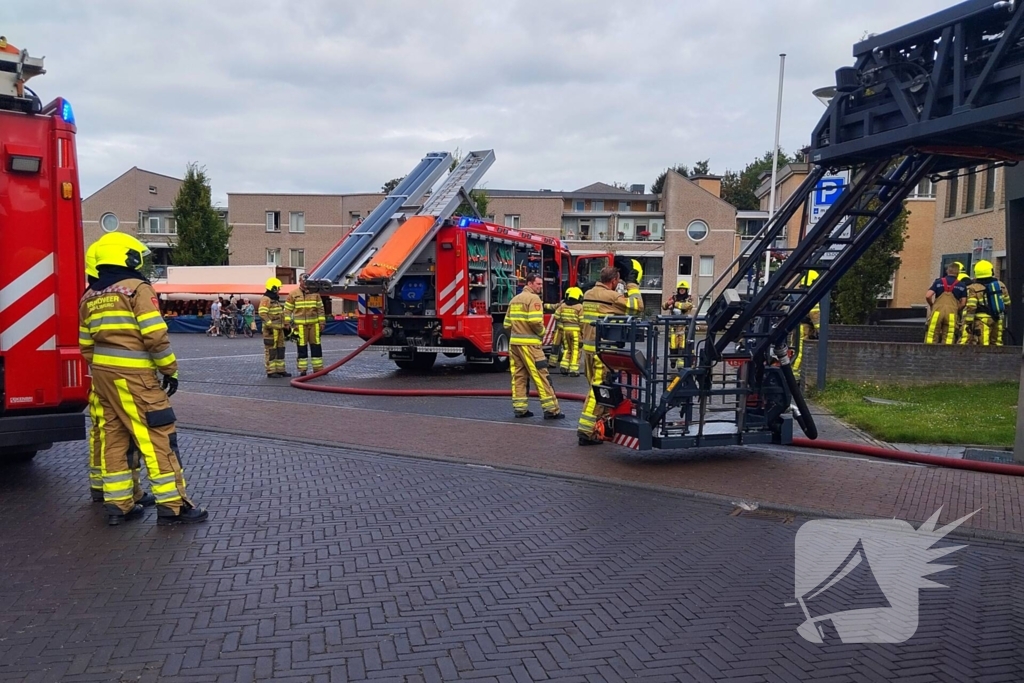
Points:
775	160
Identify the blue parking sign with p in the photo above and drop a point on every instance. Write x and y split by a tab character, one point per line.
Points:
828	190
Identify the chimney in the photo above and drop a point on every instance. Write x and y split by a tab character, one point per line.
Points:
711	183
637	189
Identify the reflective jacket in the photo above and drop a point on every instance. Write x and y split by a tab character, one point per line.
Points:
569	316
635	300
977	299
120	329
304	308
598	302
271	313
525	319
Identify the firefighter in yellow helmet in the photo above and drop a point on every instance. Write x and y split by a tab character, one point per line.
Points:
946	297
810	325
985	313
275	329
569	316
633	279
679	304
601	300
124	339
965	281
304	312
555	350
525	324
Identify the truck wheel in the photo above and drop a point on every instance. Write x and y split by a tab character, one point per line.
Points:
420	362
499	344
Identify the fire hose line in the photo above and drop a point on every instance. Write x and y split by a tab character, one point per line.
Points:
857	449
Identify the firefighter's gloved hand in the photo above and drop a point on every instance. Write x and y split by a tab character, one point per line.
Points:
170	384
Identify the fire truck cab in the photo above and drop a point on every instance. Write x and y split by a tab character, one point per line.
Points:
43	380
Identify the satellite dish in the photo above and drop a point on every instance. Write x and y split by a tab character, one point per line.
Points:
825	94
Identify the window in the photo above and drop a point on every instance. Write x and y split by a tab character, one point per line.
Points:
953	186
354	216
652	206
652	277
597	205
601	227
273	221
971	190
707	266
988	200
626	230
697	230
296	221
578	205
154	225
623	206
297	258
152	189
109	222
685	265
273	257
657	230
924	190
512	220
170	226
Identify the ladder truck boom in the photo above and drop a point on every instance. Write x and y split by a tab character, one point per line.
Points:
926	100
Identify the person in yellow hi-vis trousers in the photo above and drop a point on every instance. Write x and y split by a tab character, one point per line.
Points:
985	312
946	296
810	325
304	311
275	329
525	323
95	438
124	339
569	314
600	300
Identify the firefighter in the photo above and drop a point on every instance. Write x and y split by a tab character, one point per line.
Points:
985	313
304	312
962	333
124	339
600	300
570	318
525	323
680	305
633	276
275	329
810	325
555	350
946	297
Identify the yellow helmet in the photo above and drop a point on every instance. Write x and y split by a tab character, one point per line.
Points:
90	261
682	284
639	270
273	283
809	279
960	266
982	269
120	249
574	293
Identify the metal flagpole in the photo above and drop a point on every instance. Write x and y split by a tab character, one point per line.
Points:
775	160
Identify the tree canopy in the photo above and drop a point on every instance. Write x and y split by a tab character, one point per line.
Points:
740	189
856	294
702	167
202	233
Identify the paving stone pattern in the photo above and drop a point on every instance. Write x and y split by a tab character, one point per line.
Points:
331	565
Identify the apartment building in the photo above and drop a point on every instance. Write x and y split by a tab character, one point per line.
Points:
915	273
139	203
970	223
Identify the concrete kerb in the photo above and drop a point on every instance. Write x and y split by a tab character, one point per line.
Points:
714	498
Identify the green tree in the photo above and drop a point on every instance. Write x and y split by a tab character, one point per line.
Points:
740	189
390	185
659	183
202	234
856	294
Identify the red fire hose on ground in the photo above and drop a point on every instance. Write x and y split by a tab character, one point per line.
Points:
857	449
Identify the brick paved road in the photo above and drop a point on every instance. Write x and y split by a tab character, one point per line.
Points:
331	565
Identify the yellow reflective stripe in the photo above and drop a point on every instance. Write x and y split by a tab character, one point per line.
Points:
115	326
155	327
164	362
138	427
525	341
148	316
115	362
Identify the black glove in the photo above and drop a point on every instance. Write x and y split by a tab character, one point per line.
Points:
170	384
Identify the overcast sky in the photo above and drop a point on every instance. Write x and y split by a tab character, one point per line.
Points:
319	96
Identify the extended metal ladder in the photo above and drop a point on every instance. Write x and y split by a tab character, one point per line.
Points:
339	270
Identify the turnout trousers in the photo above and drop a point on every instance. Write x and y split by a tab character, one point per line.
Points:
592	410
273	350
96	443
941	328
570	349
807	331
310	350
527	362
986	330
132	409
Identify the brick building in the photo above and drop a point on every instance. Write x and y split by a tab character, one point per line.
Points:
970	222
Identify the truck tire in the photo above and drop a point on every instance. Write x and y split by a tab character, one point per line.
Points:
499	344
421	362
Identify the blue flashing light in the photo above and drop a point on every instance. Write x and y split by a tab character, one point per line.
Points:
463	222
67	113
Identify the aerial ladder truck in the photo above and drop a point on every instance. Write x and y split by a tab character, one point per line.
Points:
930	99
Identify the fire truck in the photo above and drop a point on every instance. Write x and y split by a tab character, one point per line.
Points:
43	380
432	282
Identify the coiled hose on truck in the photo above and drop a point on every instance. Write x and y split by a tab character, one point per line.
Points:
857	449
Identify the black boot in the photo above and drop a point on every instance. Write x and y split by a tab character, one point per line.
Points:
188	515
148	500
525	413
97	495
115	516
585	440
554	416
302	374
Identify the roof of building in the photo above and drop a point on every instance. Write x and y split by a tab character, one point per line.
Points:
603	188
130	170
785	172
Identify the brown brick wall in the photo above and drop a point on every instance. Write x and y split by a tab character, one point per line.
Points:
955	235
125	197
916	364
542	215
916	271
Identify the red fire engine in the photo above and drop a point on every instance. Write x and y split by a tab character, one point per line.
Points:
434	284
43	381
